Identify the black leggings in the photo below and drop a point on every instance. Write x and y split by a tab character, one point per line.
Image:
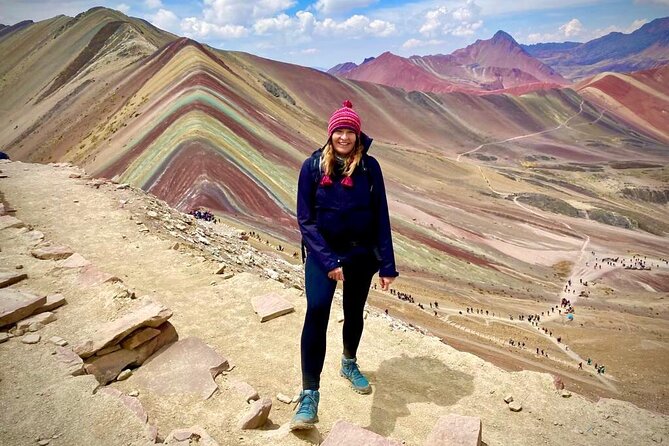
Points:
320	291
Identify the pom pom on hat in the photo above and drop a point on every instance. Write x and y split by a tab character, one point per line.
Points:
345	117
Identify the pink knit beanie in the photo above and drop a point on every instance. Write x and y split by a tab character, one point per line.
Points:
345	117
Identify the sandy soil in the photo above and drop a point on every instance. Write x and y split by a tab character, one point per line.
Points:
416	377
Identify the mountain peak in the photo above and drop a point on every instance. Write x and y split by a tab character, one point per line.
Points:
501	36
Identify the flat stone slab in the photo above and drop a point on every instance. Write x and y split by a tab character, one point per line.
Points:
168	334
91	276
150	315
246	390
16	305
108	349
257	414
70	361
188	366
10	278
43	318
183	437
7	221
130	402
139	336
135	406
74	261
455	430
53	301
269	306
344	433
106	368
32	338
34	237
52	252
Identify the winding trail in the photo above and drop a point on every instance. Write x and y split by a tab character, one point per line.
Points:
527	135
578	269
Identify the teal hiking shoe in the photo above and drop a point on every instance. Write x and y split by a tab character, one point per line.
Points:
307	413
350	371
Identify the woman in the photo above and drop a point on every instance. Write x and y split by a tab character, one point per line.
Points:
343	217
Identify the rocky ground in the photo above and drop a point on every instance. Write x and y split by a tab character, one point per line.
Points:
163	256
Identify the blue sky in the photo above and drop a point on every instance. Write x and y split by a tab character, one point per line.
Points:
322	33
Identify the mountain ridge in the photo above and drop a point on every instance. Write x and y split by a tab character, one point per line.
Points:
496	65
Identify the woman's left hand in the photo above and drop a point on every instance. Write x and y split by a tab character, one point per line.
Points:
385	282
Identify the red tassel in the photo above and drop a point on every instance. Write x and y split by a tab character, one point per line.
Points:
326	180
347	104
347	182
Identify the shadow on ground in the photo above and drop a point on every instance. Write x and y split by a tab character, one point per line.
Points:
404	379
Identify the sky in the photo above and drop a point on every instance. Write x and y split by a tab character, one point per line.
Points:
323	33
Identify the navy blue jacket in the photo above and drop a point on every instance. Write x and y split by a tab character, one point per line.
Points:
338	223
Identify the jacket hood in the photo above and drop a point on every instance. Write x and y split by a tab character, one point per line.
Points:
366	141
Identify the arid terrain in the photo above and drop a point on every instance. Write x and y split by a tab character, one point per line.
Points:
530	230
416	377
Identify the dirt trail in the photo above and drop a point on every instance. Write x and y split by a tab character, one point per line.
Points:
416	378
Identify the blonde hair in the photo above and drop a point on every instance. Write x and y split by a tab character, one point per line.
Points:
328	159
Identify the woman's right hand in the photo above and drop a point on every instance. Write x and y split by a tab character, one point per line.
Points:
337	274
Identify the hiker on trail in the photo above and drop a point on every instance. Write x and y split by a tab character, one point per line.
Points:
342	213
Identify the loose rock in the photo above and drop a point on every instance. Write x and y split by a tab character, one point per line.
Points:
515	406
345	433
16	305
257	414
41	318
56	340
52	253
246	390
456	430
31	339
125	374
270	306
8	278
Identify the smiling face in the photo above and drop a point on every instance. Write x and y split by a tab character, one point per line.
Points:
343	141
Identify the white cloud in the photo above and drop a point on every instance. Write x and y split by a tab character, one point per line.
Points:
433	21
537	38
165	19
279	23
355	26
200	29
466	29
309	51
153	4
305	24
468	13
416	43
341	6
637	24
123	8
380	28
572	28
242	12
462	21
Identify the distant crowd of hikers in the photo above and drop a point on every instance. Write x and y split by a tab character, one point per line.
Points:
203	214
